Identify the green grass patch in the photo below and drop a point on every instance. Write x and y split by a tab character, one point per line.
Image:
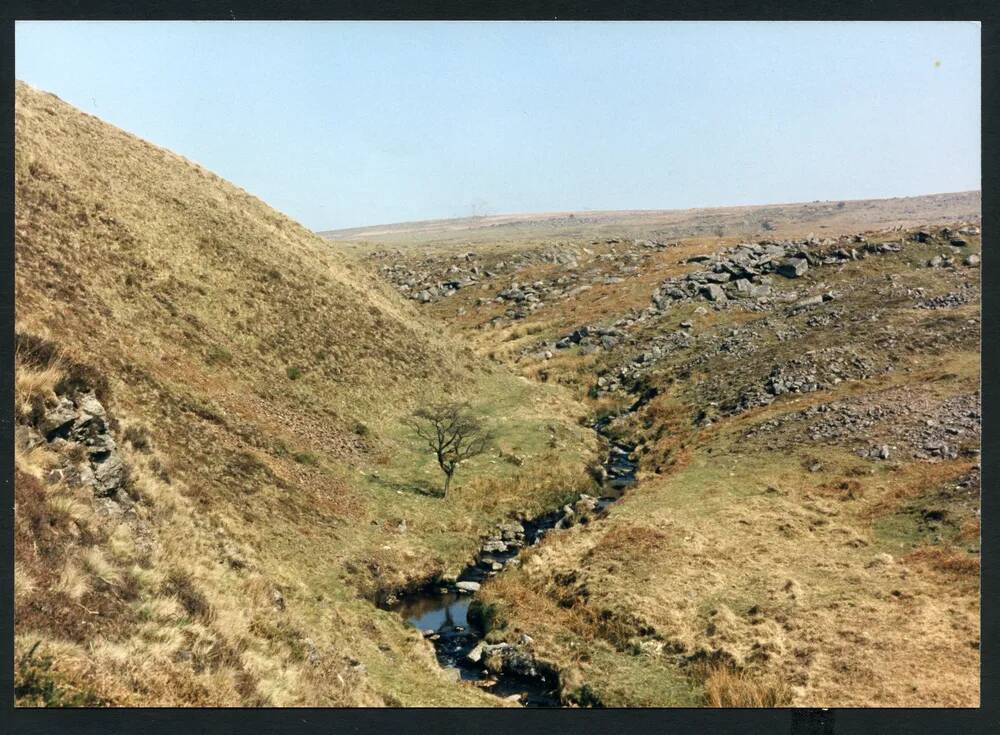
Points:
639	681
306	458
218	355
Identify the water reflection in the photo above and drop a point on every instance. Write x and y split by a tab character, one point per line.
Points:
440	613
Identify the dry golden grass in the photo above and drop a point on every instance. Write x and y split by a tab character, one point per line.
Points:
727	687
739	554
255	377
233	342
30	383
947	560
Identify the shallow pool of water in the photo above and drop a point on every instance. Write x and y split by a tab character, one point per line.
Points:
442	612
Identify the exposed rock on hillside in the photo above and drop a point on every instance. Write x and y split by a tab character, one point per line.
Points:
80	418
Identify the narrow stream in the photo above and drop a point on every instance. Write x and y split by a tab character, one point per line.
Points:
440	611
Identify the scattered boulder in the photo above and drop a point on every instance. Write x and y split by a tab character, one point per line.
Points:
808	301
713	292
741	287
793	267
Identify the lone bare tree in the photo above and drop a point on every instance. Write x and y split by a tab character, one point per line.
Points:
452	432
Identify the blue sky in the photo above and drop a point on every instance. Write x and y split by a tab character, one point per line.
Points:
346	124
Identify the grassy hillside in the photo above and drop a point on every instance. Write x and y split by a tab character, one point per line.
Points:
214	484
806	526
250	382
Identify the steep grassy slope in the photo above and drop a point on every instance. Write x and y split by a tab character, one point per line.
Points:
253	380
806	526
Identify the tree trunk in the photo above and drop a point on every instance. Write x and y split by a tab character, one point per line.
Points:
447	482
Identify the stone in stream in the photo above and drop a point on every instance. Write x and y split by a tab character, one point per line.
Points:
494	545
510	530
476	653
505	658
467	586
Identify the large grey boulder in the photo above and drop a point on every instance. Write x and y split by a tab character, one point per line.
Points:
494	546
713	292
742	287
109	473
808	301
83	419
476	653
717	277
503	657
54	419
510	530
793	267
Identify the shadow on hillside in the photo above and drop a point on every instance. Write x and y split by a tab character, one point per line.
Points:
407	487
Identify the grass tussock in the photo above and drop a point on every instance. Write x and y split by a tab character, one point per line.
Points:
37	685
535	488
726	686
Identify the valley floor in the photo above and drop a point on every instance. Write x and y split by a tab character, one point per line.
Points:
806	526
217	498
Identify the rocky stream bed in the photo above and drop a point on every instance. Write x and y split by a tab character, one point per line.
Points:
441	610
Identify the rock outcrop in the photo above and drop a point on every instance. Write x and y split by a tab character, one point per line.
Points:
78	417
